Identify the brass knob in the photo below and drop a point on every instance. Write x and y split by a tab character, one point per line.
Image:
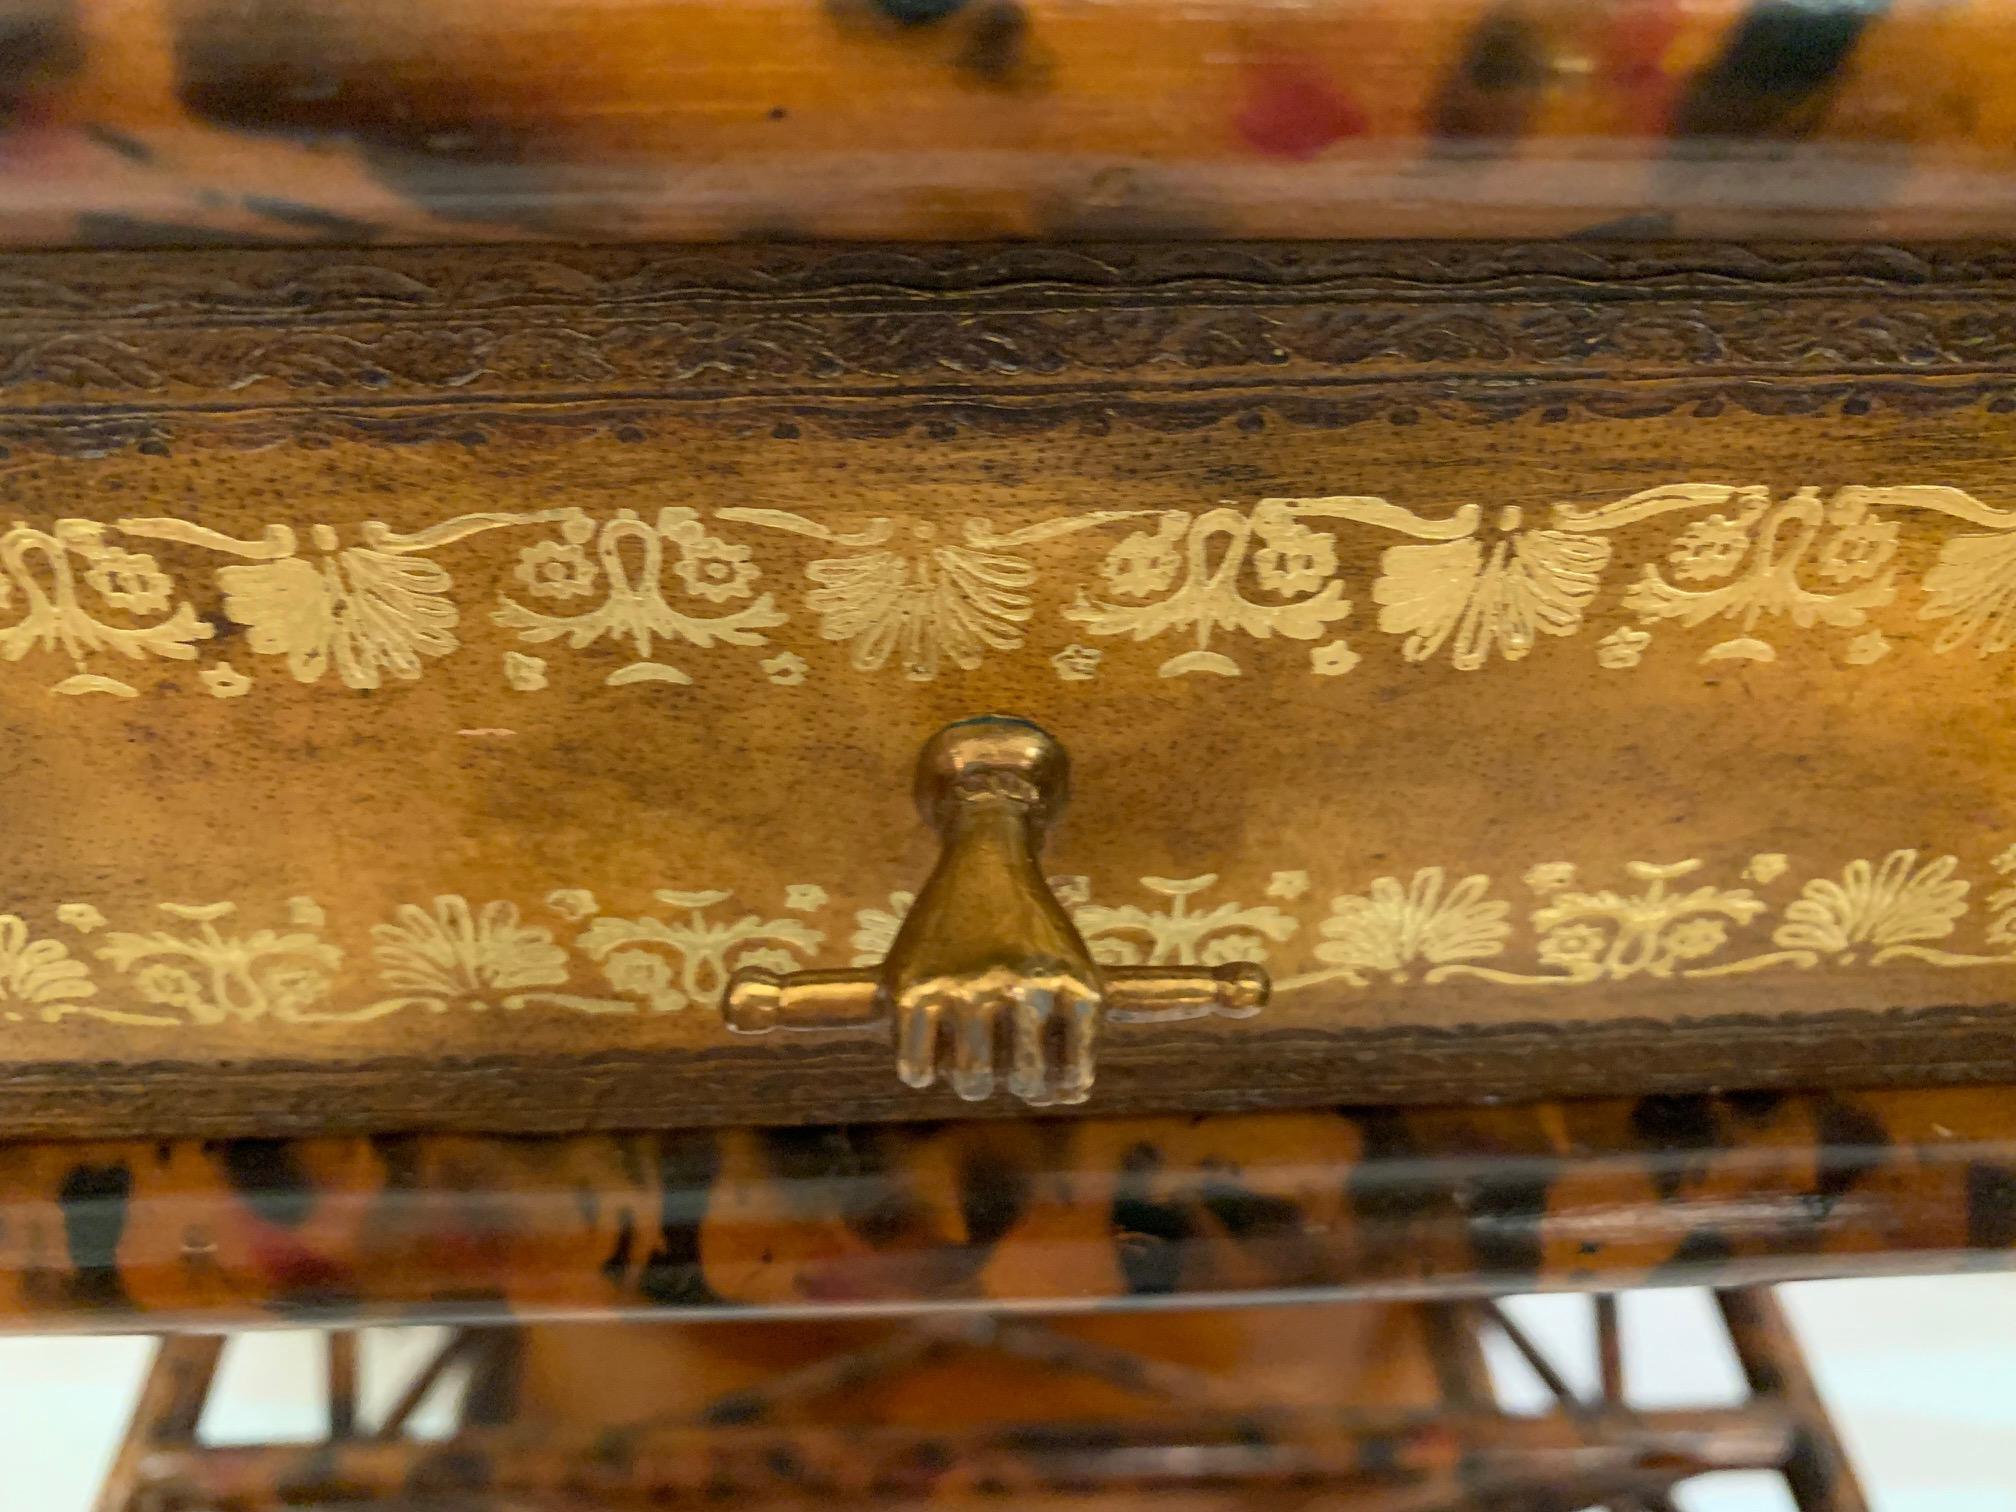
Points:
988	970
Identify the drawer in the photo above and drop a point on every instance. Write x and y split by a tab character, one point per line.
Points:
1562	668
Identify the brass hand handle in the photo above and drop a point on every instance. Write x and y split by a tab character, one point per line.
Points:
988	966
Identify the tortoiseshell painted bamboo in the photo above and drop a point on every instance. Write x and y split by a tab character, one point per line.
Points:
1606	1194
180	121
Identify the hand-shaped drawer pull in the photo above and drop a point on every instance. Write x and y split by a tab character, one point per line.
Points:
987	959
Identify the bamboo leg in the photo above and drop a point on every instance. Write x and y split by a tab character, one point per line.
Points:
1612	1406
454	1349
1818	1470
1610	1348
1536	1358
1457	1349
498	1356
340	1363
166	1415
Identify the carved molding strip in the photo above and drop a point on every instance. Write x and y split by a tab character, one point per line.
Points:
281	283
1327	406
229	330
678	353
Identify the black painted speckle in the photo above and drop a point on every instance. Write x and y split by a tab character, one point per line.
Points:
735	1409
1991	1207
992	1195
1504	55
1379	1457
1703	1249
313	73
40	45
812	1154
1245	1213
933	1458
615	1266
1380	1198
312	218
996	50
1756	1106
95	228
917	12
889	1219
1507	1217
615	1451
93	1200
268	1178
1151	1233
1492	91
1773	76
1675	1121
1644	225
1044	1440
687	1166
1680	1133
130	148
1853	1142
890	1214
447	1470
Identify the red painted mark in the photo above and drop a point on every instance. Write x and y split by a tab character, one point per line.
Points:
290	1266
36	140
1631	59
1293	111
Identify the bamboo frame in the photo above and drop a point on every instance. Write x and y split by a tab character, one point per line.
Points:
748	1446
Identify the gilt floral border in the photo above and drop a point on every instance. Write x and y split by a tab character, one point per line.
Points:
1555	928
1726	572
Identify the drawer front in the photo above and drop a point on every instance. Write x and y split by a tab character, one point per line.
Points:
1564	669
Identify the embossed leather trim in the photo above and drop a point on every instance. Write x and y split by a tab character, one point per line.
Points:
803	1083
215	347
